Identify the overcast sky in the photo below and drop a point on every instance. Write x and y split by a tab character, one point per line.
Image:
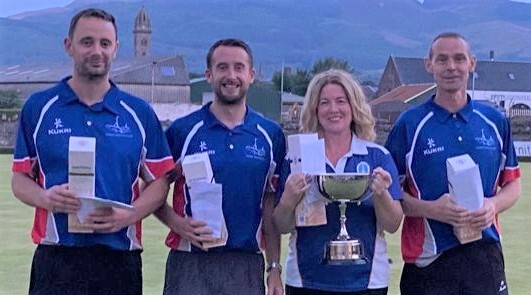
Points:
11	7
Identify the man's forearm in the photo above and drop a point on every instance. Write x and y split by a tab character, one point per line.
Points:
507	196
271	233
414	207
27	190
151	198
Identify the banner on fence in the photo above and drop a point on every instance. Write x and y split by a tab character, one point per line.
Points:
523	148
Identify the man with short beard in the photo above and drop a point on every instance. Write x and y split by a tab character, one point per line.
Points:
244	149
129	146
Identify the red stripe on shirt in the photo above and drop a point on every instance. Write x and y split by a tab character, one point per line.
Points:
160	167
23	166
174	239
413	233
508	175
38	232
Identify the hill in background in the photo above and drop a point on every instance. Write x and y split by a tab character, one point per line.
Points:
364	32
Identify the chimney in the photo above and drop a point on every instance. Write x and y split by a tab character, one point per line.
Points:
491	55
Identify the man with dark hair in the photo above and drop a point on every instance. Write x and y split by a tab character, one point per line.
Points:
95	13
129	145
246	151
447	125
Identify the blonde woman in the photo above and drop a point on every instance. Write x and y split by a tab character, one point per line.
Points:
335	107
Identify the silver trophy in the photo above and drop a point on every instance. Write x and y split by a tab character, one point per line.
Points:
344	188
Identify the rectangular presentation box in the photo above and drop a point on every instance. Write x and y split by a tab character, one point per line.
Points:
464	183
81	174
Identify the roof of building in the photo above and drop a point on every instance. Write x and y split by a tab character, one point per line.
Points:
165	71
168	71
490	75
404	94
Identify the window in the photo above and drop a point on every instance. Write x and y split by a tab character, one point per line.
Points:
167	71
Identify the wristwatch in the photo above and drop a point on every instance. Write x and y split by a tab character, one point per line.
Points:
274	265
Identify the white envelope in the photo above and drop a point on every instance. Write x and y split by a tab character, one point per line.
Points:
88	205
306	153
464	182
206	203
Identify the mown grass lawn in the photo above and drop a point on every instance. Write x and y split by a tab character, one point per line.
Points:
16	248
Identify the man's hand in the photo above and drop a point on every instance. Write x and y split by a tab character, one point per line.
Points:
274	282
484	217
59	198
109	220
445	210
192	230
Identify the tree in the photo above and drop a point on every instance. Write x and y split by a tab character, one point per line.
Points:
277	81
298	83
192	75
328	63
9	99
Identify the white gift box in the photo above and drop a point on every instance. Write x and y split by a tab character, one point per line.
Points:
464	183
306	153
196	168
81	174
82	165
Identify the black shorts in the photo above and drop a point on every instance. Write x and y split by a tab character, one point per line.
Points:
214	273
85	270
304	291
474	268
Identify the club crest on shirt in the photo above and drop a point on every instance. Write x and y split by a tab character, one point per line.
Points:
432	147
59	128
483	142
118	130
363	167
254	152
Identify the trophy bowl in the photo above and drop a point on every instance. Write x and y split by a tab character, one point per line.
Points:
344	188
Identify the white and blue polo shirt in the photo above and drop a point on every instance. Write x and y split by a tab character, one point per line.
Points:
305	267
241	159
422	139
129	144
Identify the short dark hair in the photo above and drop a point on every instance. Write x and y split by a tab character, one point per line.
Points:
232	43
448	35
92	12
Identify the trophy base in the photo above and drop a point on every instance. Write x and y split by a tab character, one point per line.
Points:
344	252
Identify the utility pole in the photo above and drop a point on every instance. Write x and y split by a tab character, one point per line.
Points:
282	80
153	80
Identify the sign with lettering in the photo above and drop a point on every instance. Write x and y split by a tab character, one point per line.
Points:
523	148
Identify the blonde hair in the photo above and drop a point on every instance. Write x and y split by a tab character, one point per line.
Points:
362	120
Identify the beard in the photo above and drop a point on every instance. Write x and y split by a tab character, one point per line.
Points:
232	99
85	70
